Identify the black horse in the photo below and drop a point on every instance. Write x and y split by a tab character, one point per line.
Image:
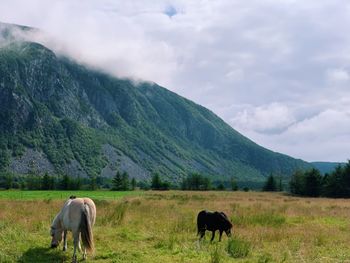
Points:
213	221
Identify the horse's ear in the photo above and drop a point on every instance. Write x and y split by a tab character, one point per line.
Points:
72	197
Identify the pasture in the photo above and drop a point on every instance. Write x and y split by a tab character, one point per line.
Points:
161	227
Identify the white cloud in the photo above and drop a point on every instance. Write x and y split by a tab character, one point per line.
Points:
273	69
271	118
338	75
235	74
324	137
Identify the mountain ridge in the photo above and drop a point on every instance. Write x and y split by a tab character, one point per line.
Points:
69	113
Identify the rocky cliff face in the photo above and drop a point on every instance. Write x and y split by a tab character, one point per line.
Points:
81	120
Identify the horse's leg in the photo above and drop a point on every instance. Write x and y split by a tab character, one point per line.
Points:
64	240
202	233
76	245
220	235
212	236
79	246
84	254
80	250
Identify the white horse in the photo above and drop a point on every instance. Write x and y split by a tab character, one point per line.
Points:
77	215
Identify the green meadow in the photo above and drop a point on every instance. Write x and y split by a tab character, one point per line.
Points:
46	195
161	227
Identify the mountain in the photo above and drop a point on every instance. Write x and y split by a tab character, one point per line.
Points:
61	117
325	167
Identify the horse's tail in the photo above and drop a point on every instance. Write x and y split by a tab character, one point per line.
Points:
86	229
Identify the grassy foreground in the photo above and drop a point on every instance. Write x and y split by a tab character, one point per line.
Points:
49	195
160	227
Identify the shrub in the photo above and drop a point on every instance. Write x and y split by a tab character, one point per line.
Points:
238	248
265	258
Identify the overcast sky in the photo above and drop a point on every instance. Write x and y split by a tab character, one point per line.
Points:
278	71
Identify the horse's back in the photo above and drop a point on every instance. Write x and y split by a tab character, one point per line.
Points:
211	220
73	209
82	202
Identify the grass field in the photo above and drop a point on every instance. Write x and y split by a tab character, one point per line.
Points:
48	195
160	227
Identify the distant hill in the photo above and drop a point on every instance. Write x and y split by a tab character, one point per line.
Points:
61	117
325	167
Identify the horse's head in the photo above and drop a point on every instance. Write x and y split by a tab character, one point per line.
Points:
228	231
227	224
56	234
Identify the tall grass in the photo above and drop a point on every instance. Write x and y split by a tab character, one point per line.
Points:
266	218
238	248
161	227
115	214
215	255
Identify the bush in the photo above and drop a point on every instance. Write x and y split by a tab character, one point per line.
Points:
238	248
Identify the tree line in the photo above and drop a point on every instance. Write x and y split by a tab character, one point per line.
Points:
41	182
303	183
311	183
120	182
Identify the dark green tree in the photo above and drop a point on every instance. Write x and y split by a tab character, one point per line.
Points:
117	182
46	182
270	184
4	160
165	186
143	185
309	183
75	183
33	182
93	182
65	182
133	183
280	184
156	182
313	182
332	184
346	179
220	187
205	184
297	183
234	186
125	181
195	181
6	180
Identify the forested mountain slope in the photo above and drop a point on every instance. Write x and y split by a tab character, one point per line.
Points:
59	116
